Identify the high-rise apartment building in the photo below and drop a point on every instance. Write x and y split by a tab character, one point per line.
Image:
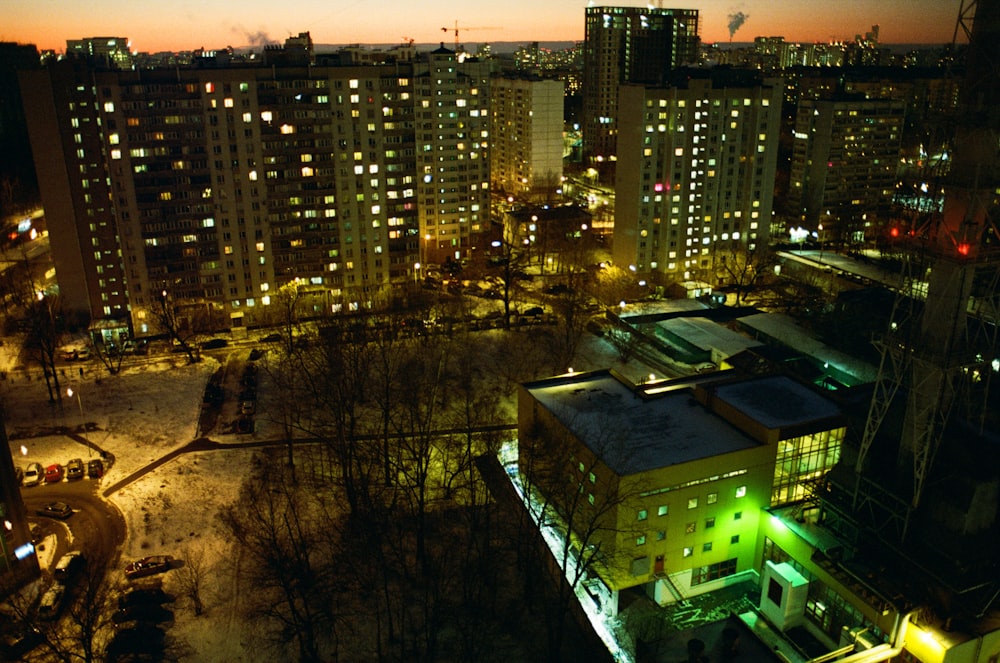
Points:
844	161
695	172
451	95
526	150
112	52
216	186
628	45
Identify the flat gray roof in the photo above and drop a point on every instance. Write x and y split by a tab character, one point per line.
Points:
777	401
632	434
708	335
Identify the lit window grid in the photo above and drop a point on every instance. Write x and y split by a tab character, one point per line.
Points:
802	459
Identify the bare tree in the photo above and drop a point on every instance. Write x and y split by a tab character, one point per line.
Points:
581	509
44	334
613	285
168	319
192	575
743	268
624	342
289	566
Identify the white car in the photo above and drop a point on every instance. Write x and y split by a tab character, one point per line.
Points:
51	602
33	475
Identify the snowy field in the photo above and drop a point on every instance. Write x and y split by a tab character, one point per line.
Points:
150	409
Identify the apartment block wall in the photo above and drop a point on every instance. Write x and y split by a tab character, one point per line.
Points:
844	158
695	173
526	151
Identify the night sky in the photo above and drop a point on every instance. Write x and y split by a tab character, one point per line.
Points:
178	25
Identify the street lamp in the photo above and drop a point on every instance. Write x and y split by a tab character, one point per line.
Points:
79	401
820	229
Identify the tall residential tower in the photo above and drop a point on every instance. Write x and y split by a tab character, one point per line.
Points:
628	45
696	171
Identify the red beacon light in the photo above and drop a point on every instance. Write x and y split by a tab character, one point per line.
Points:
894	232
963	248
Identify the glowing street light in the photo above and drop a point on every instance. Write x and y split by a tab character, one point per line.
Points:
79	401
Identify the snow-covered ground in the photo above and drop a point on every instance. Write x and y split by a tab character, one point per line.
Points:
148	410
138	416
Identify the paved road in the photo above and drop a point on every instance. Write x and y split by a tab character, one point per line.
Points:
96	526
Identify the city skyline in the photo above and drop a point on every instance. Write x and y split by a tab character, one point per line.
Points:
180	25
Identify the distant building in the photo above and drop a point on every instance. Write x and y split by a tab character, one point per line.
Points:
667	485
628	45
696	171
845	158
215	186
106	52
526	128
451	96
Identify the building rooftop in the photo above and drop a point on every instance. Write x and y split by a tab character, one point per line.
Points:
633	434
708	335
776	401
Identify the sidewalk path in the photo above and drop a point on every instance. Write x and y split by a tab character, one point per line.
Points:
208	444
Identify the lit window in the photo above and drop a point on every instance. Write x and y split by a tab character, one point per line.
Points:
640	540
260	246
690	528
661	536
109	107
641	515
662	510
266	116
287	129
741	491
593	479
692	502
590	497
688	552
581	467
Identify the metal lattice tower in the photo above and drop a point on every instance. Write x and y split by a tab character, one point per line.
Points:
943	333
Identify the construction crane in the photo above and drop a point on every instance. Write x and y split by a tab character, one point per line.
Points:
466	29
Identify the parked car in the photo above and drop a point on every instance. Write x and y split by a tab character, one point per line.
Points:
54	473
214	344
83	353
68	566
74	469
244	424
33	475
51	603
18	639
147	566
271	338
95	468
143	596
59	510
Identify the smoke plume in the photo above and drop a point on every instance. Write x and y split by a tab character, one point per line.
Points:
735	22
